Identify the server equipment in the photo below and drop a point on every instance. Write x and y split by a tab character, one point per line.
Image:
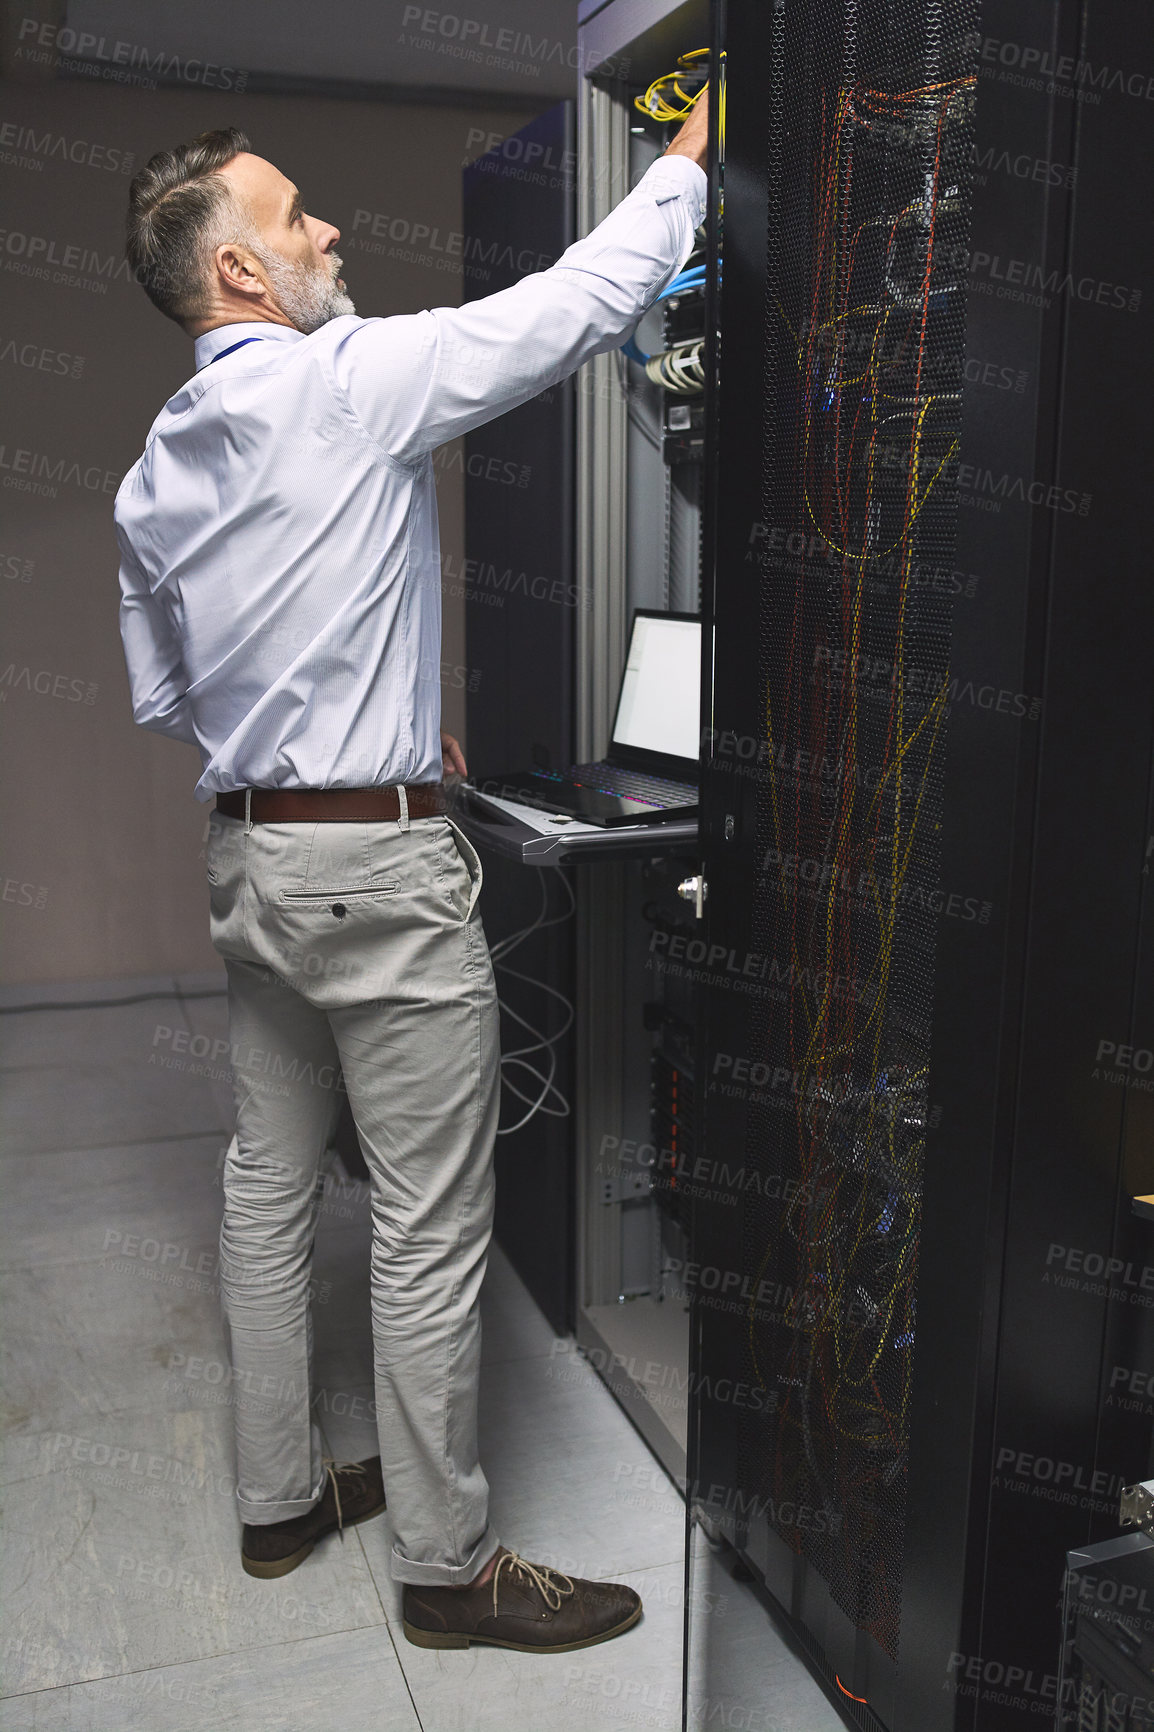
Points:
517	672
925	825
865	1076
1106	1682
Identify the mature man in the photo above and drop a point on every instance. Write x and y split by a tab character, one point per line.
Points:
280	584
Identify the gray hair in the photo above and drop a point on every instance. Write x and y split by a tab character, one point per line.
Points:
180	209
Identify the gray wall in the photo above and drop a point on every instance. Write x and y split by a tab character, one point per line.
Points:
101	865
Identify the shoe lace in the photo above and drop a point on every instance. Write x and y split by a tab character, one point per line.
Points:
332	1468
545	1579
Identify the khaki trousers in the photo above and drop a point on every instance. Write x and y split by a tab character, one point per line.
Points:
356	959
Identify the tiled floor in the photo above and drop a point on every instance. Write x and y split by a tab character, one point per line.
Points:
126	1608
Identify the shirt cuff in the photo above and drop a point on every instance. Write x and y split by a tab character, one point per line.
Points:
674	176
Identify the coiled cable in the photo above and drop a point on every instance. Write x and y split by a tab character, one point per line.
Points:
518	1058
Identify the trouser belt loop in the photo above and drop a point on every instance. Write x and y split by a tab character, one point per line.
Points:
247	810
403	802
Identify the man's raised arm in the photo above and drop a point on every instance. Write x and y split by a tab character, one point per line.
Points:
418	380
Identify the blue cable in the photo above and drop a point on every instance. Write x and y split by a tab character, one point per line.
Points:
693	278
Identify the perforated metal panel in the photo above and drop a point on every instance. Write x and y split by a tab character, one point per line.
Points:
925	813
870	150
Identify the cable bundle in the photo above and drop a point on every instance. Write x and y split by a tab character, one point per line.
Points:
657	103
680	369
665	100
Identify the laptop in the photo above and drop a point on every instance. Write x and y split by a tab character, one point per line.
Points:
650	774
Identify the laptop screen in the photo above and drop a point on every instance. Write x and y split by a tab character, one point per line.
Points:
660	705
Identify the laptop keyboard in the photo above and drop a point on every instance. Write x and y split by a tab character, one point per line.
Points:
633	785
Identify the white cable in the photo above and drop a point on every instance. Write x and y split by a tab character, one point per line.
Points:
548	1086
505	945
545	1043
542	1042
680	369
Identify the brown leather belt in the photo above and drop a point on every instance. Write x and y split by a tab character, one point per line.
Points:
333	805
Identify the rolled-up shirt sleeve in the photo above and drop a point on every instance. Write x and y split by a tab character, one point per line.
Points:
420	379
152	654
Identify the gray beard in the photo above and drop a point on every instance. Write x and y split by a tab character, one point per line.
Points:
305	294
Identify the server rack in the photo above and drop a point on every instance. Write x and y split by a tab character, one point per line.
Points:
616	515
926	823
518	202
639	481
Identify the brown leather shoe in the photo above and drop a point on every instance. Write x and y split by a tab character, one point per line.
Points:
354	1491
524	1606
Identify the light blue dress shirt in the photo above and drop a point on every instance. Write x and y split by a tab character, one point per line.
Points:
280	563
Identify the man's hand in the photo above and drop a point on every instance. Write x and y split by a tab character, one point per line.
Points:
452	757
693	139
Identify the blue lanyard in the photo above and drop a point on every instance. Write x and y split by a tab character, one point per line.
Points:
235	347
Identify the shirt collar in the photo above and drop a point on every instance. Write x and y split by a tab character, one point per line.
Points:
222	337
